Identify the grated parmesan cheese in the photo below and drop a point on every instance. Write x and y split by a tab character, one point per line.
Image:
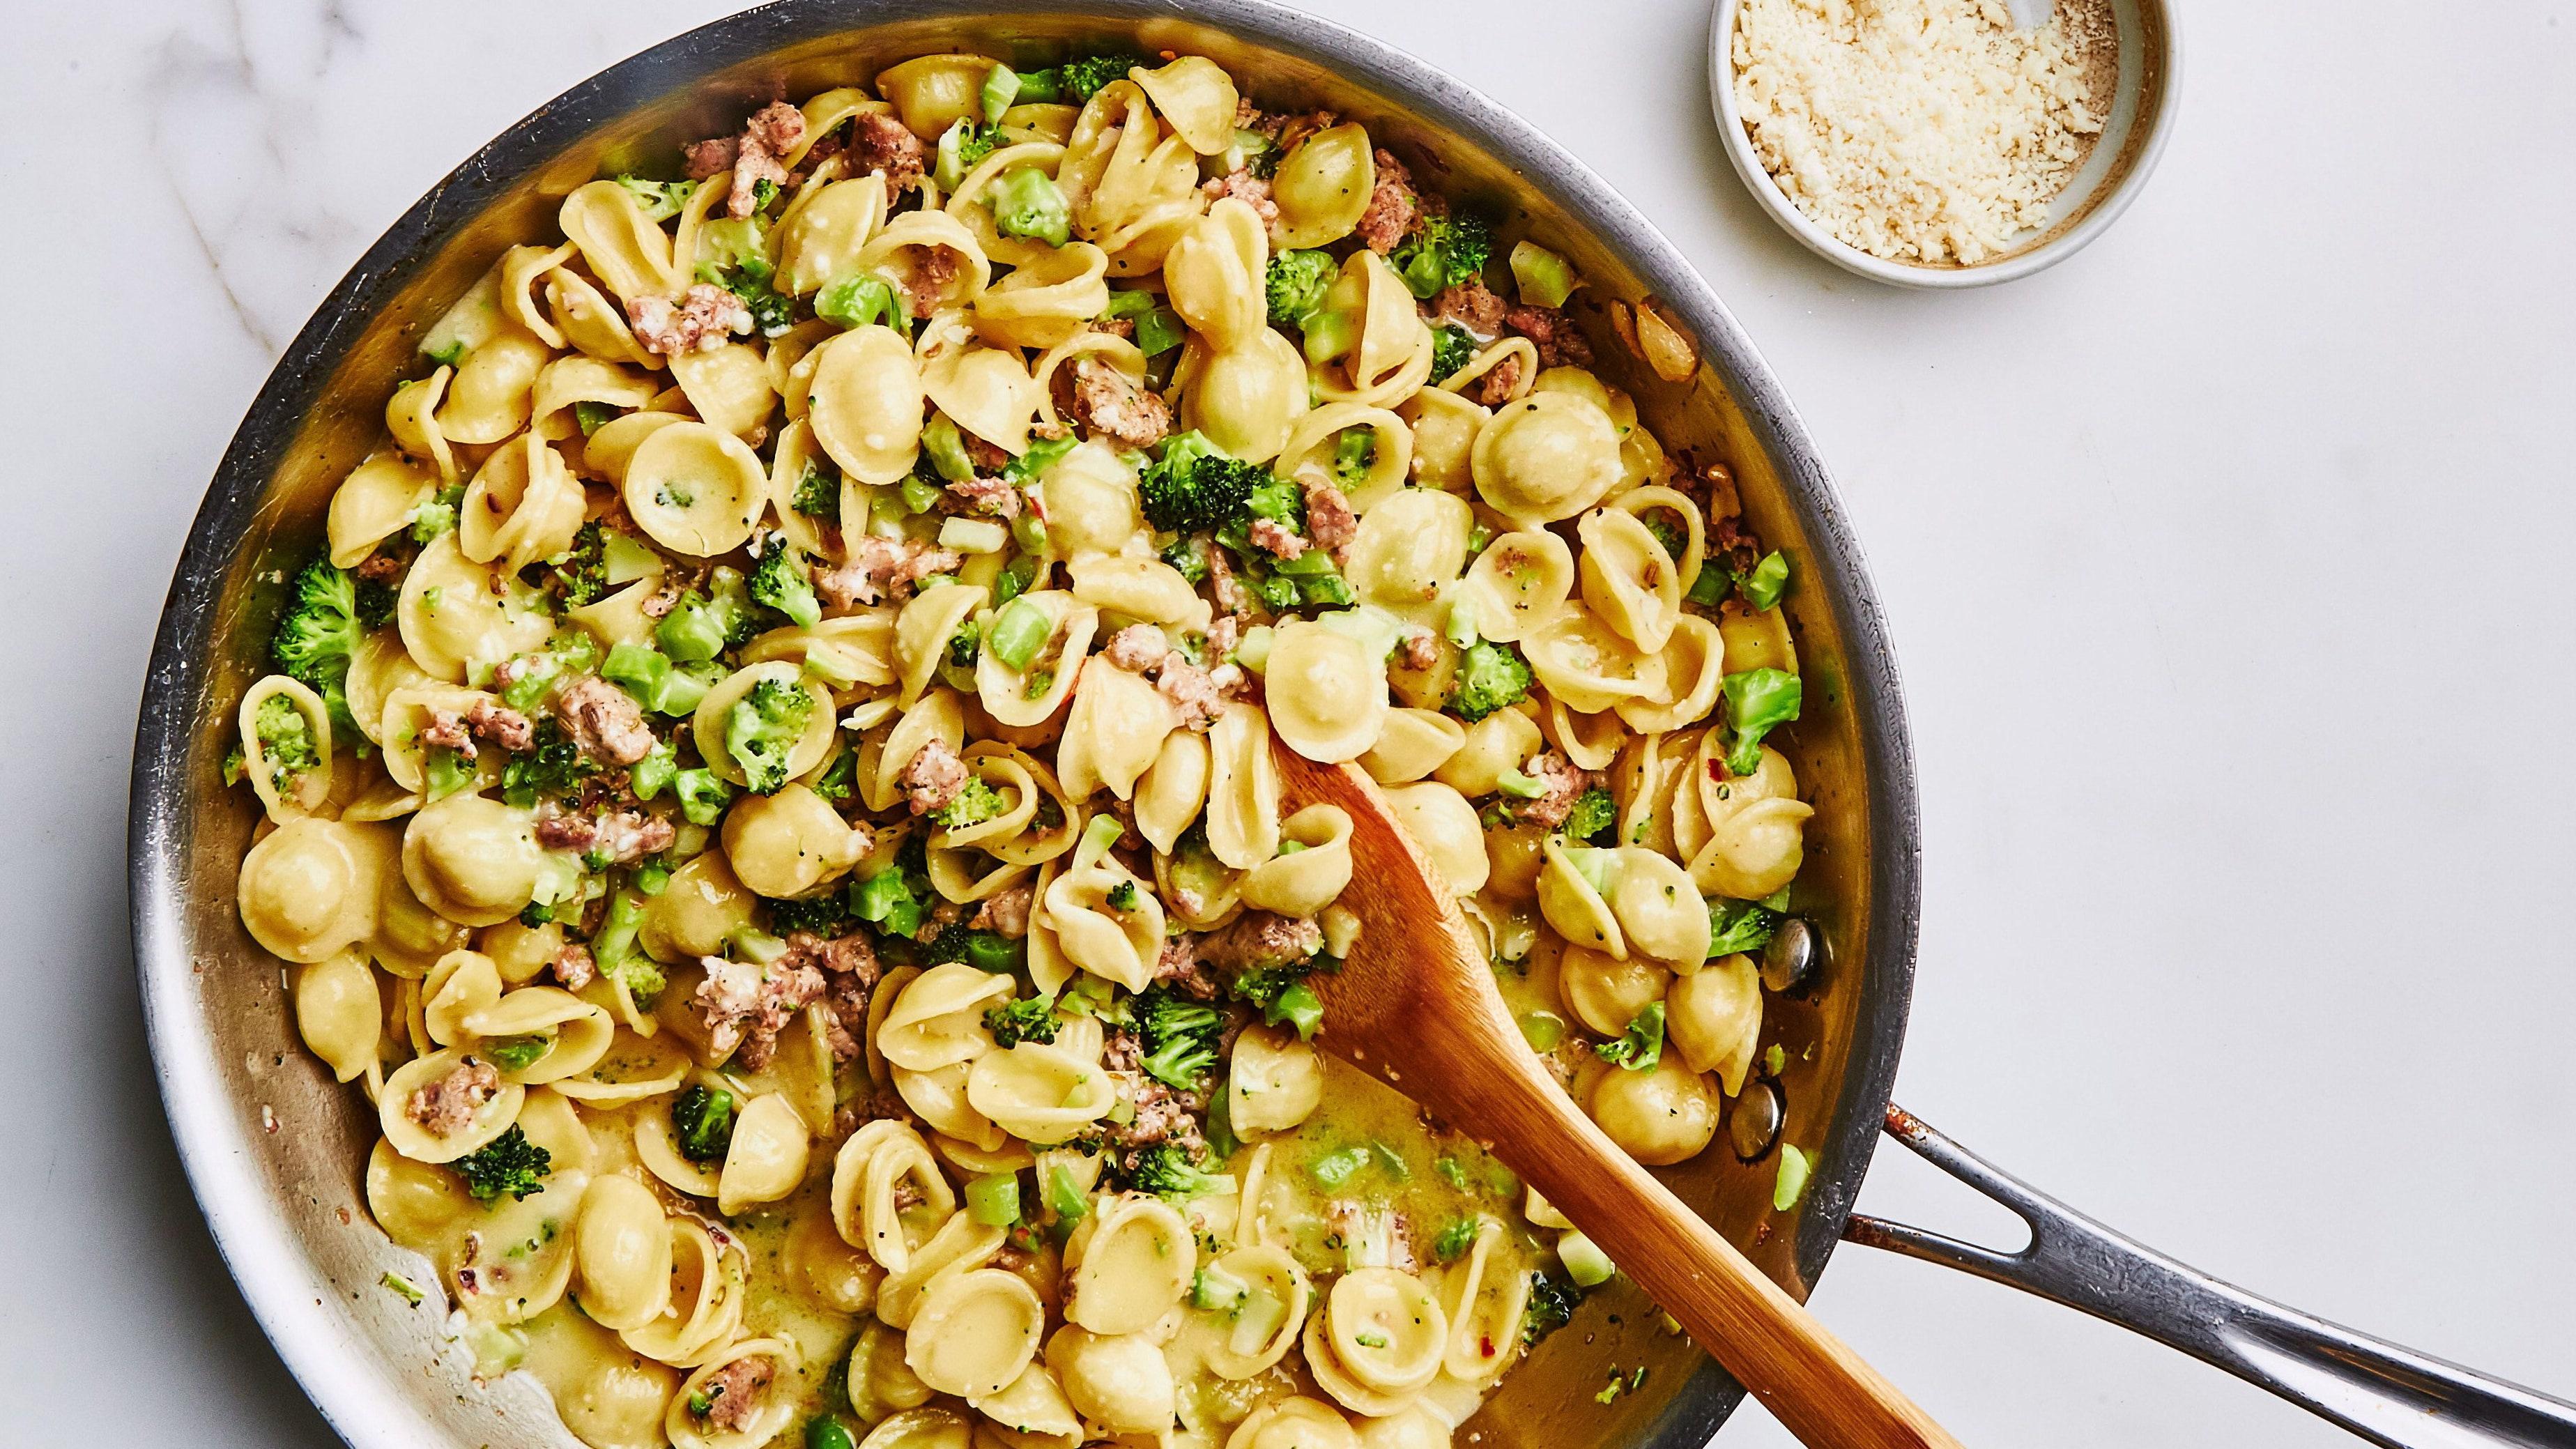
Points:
1922	131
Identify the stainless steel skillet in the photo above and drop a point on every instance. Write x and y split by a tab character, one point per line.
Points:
273	1148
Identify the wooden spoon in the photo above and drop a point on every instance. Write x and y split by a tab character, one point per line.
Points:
1415	1007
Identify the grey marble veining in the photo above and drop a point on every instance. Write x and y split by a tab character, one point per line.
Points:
2227	563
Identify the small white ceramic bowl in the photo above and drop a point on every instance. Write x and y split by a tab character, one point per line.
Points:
2142	115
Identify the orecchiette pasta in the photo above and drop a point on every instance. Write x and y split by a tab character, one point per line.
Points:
770	788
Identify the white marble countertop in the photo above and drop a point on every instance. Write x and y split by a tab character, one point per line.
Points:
2228	563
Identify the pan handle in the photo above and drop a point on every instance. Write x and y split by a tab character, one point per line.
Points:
2386	1394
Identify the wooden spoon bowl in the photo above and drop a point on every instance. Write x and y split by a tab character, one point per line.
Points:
1415	1006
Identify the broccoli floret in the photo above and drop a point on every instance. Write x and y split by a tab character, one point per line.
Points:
285	741
1030	1018
818	495
841	781
581	574
510	1163
702	1121
889	901
332	610
781	582
661	200
961	148
1452	348
1122	896
1081	77
1166	1170
438	515
1552	1302
1594	811
762	729
1282	995
704	625
1027	203
966	644
1190	559
984	950
1757	702
552	769
1179	1036
973	805
1194	487
1491	676
1738	926
825	915
1441	252
1641	1046
1296	283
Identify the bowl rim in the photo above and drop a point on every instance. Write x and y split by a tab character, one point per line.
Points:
355	1388
1815	238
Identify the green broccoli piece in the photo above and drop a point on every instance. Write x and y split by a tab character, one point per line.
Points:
984	950
961	148
1441	252
825	915
661	200
841	781
701	794
438	515
973	805
1158	328
1296	283
818	495
1757	702
702	1121
1179	1036
657	684
1594	811
1491	676
1030	1018
1083	76
1641	1046
782	583
1452	348
590	416
1186	556
966	645
331	611
1027	203
1456	1237
285	741
1167	1170
509	1163
762	729
553	768
1552	1302
704	625
1739	926
1192	486
581	573
888	901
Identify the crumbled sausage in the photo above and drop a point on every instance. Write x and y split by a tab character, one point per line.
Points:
502	727
1420	649
1249	189
1259	939
1391	207
1472	305
1006	911
382	568
1138	648
1115	406
445	1106
574	967
604	721
1562	783
1225	588
881	568
881	143
626	836
733	1392
710	156
745	1005
768	136
1162	1113
1179	967
1329	518
1553	333
1224	632
1277	539
933	268
701	321
989	497
932	777
1495	388
447	731
1196	696
850	969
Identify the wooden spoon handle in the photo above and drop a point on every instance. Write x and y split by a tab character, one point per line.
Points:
1810	1380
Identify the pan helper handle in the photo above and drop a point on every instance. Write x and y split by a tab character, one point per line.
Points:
2386	1394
